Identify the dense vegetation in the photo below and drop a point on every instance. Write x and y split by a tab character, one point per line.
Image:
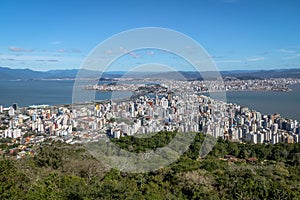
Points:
61	171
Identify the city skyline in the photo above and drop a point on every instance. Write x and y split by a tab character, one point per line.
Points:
238	34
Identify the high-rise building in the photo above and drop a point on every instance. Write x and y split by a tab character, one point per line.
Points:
275	138
274	128
260	138
244	109
15	106
11	111
254	138
164	103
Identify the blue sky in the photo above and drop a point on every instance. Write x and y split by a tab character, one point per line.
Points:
238	34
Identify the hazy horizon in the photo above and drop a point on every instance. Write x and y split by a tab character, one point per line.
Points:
151	71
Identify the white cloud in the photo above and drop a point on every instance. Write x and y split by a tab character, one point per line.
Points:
255	59
10	57
75	50
133	54
228	61
61	50
123	50
19	49
40	62
150	53
57	42
286	51
292	57
50	60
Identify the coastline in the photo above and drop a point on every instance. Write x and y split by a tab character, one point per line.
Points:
60	93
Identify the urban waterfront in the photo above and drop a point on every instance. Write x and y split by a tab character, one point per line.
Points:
170	106
54	92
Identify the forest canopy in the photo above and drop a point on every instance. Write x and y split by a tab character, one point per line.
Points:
230	171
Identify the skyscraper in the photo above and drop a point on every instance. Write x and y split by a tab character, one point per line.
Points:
15	106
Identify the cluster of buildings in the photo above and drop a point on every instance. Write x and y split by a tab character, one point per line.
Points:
115	87
23	128
180	109
189	113
234	84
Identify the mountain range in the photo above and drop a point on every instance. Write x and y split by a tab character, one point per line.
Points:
26	74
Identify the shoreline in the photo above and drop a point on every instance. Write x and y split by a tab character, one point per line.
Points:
67	100
70	105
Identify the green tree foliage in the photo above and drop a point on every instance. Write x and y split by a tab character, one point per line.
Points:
13	182
141	144
61	171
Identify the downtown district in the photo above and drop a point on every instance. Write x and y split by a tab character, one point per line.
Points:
179	108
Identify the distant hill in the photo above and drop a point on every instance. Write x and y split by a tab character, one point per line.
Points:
247	74
280	73
13	74
62	73
25	74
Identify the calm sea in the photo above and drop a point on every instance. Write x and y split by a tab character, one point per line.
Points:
285	103
53	92
36	92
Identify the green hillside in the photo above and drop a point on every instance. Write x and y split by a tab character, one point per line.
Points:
230	171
